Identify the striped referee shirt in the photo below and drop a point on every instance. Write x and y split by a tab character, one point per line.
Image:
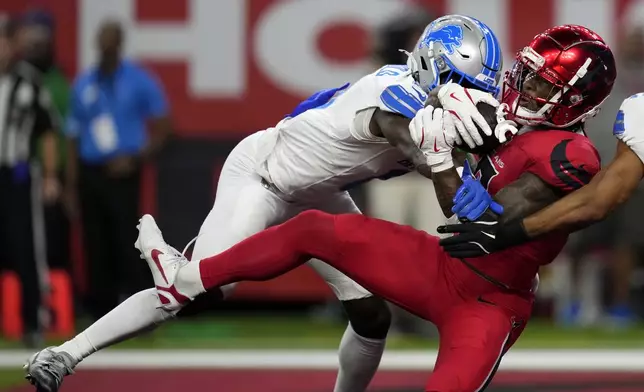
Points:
26	112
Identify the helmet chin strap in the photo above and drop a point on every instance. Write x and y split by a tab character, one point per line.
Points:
432	64
411	61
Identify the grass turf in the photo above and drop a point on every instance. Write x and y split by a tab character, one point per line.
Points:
264	332
10	378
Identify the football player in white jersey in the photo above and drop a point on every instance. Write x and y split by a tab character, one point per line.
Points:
309	160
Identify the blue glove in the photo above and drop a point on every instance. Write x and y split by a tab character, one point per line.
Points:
316	100
472	199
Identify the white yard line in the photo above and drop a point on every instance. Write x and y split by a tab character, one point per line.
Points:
518	360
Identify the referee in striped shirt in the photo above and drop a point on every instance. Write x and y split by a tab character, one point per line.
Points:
26	115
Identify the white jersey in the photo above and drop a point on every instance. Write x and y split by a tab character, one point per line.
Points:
629	124
330	148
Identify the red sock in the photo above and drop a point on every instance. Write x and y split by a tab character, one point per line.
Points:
273	252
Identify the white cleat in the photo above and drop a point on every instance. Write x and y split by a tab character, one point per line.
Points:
164	262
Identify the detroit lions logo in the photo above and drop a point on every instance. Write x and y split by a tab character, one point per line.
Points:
451	36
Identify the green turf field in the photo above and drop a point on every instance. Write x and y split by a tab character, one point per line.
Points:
259	332
272	332
9	378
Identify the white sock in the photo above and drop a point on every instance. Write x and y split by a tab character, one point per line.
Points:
188	280
359	360
135	315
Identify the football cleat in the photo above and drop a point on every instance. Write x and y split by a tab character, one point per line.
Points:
47	368
164	262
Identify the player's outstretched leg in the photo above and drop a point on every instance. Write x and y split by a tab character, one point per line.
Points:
364	340
178	281
47	368
363	343
395	262
473	339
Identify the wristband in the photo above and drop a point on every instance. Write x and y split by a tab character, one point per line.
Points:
447	164
512	233
442	166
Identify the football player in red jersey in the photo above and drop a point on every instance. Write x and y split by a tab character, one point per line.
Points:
479	305
613	186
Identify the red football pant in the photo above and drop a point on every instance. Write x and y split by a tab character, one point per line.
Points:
477	321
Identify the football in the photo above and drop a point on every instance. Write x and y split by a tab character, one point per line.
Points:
489	114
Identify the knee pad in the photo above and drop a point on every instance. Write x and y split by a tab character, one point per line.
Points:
201	303
369	317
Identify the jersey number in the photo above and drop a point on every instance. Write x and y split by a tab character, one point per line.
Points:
486	171
386	176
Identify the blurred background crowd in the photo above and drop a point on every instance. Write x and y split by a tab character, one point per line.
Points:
183	94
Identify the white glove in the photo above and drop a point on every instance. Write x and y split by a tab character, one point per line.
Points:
503	126
435	133
629	124
462	102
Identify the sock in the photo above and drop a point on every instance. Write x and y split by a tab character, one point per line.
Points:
263	256
135	315
590	285
359	360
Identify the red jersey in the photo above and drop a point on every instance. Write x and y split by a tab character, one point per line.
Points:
564	160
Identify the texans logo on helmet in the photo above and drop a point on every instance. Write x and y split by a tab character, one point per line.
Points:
451	36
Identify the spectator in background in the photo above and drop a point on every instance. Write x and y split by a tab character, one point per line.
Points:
408	199
36	36
26	115
108	143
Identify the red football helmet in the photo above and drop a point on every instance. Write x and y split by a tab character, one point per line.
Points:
577	69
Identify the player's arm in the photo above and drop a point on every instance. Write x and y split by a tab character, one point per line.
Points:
570	166
399	118
434	160
610	188
525	196
446	183
593	202
395	128
424	134
529	193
